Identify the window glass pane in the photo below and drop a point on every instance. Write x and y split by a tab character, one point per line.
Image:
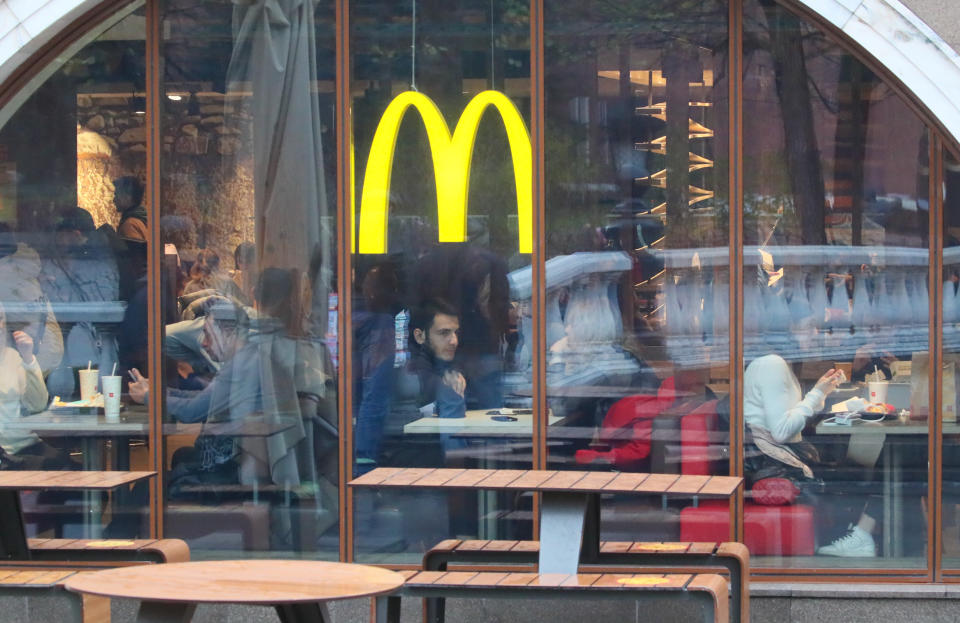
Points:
247	187
637	277
835	320
71	277
441	280
951	359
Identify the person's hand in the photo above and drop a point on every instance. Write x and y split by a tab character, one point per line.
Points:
455	381
24	346
829	381
139	387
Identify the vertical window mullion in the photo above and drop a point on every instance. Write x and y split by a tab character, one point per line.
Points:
736	256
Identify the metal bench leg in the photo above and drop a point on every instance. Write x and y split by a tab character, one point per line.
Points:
434	608
387	609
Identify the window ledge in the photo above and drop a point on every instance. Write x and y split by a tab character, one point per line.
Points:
867	590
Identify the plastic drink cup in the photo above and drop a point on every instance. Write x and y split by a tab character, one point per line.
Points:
877	391
88	383
111	397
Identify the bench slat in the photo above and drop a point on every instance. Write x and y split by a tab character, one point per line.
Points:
611	580
550	579
472	546
582	579
518	579
499	546
639	547
488	578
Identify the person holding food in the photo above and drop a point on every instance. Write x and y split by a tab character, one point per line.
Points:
775	412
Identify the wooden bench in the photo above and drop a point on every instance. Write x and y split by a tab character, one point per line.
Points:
708	592
733	558
108	550
28	581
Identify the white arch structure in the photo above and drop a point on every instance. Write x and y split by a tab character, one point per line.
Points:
886	29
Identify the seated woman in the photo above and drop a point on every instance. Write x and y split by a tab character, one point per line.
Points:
22	390
775	413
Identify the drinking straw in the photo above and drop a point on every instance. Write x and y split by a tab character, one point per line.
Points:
114	372
876	373
89	363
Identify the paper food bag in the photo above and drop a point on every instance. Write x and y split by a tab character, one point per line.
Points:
920	387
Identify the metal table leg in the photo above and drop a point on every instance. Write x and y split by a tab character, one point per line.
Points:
13	535
888	492
562	518
165	612
315	612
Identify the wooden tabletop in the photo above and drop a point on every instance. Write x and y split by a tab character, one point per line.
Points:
254	582
86	480
550	480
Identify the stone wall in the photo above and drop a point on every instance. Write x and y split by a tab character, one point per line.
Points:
206	176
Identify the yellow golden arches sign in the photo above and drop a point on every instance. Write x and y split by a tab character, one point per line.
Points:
452	156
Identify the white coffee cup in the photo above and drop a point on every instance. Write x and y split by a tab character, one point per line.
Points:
877	391
111	397
88	383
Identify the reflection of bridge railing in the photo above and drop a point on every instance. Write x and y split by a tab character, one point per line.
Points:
94	311
802	302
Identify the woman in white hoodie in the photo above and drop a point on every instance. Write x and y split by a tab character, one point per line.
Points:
775	412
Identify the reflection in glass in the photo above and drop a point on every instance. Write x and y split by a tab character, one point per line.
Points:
249	245
951	361
440	103
71	189
637	277
835	303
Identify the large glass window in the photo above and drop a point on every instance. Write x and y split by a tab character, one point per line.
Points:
836	335
72	268
637	216
637	278
248	227
441	279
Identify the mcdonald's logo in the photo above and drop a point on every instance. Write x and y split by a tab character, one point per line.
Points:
452	157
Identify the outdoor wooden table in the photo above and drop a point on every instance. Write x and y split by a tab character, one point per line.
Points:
13	536
570	510
297	589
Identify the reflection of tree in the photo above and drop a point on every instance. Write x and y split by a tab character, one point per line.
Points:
800	140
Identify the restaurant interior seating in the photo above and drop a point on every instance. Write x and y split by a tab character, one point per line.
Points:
769	530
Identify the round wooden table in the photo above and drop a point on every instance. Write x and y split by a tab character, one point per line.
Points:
298	589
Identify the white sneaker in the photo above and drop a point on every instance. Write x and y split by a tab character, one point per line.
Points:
858	543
